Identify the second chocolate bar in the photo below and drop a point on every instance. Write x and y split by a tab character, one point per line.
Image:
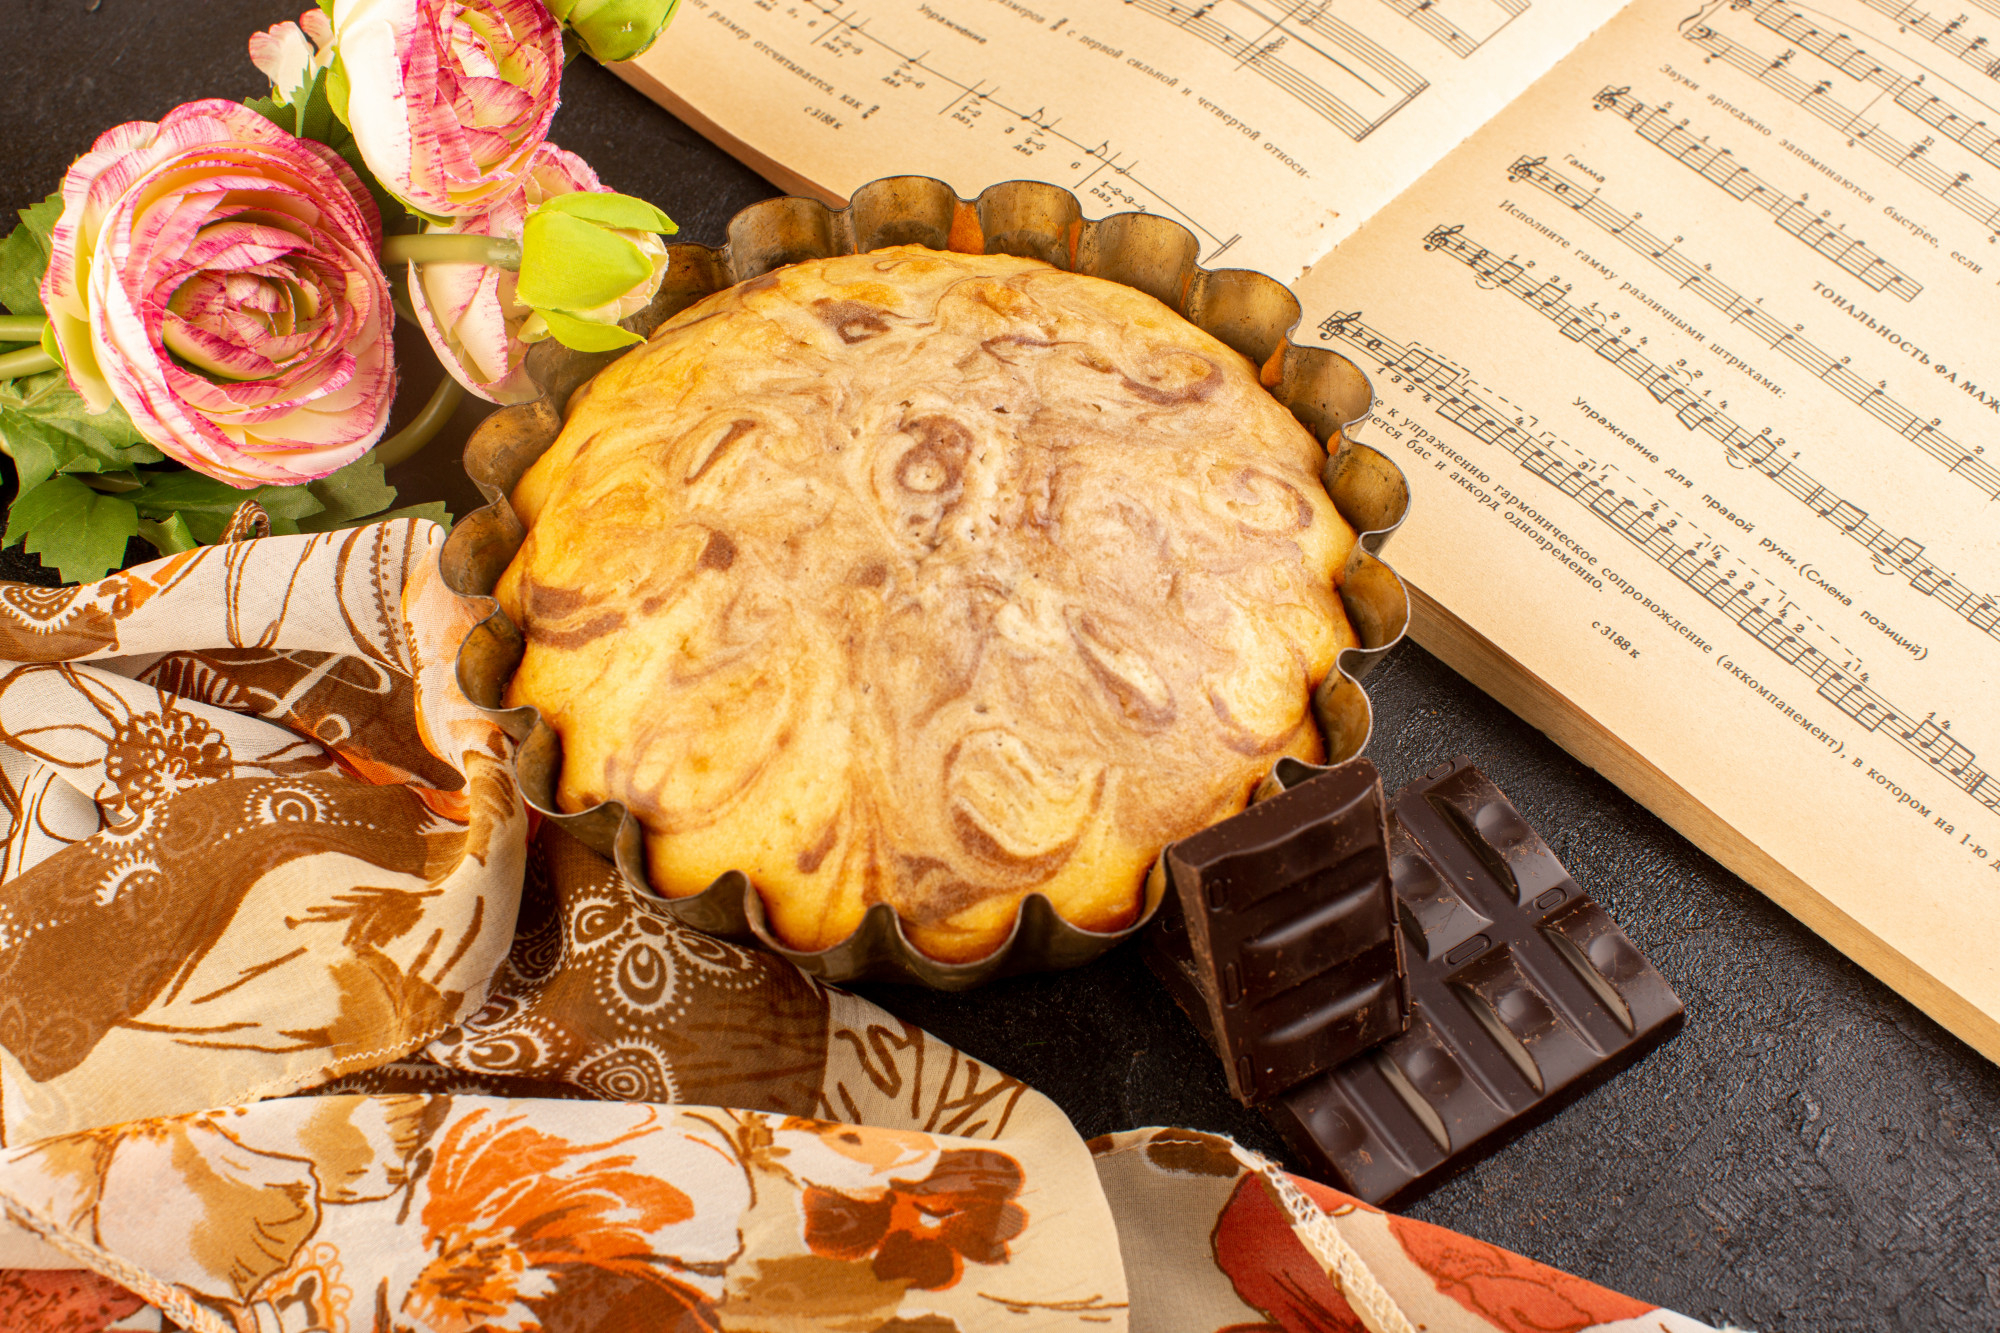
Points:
1524	994
1278	934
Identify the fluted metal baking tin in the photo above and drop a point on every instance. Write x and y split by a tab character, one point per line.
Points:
1252	313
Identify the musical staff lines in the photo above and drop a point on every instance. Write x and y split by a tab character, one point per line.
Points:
1462	26
1718	166
1966	461
1702	565
1839	50
1954	37
849	32
1355	84
1759	451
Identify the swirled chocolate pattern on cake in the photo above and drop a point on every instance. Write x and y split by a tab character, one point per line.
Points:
932	579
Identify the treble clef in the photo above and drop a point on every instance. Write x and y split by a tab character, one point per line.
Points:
1526	167
1339	324
1441	236
1609	98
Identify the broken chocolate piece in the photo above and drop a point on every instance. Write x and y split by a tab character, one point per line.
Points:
1279	934
1524	996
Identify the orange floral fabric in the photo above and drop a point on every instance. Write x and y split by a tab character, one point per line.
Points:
1210	1243
922	1232
480	1215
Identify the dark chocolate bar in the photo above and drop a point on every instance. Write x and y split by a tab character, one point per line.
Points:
1278	933
1524	996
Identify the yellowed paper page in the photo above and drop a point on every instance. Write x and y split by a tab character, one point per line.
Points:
1271	128
1691	358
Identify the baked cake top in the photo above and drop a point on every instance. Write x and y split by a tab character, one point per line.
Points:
926	578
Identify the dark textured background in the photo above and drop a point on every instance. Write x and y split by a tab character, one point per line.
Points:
1810	1153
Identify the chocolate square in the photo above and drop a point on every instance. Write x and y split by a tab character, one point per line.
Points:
1279	935
1524	996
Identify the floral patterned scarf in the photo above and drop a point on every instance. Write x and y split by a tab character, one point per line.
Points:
305	1025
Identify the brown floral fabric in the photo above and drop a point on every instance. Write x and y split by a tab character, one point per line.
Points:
242	774
304	1025
603	992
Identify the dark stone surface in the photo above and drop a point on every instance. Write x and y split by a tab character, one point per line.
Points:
1811	1153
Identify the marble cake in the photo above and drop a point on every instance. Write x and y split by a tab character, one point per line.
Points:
930	579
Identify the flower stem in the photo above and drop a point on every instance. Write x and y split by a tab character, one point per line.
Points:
21	328
405	442
27	361
451	248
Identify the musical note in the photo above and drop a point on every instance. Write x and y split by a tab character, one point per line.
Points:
1716	165
1640	526
1757	451
1835	371
1338	73
1907	93
1474	25
1954	38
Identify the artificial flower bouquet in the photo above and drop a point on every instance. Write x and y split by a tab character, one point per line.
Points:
202	315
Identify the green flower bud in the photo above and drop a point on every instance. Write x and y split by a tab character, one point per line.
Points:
588	260
615	29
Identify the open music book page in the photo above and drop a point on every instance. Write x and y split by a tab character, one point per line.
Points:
1692	356
1270	128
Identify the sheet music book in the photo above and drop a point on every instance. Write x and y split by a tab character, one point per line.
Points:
1683	322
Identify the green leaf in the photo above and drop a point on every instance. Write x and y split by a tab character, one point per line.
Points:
349	495
570	264
169	536
47	419
41	219
39	450
612	210
583	336
22	264
74	529
315	112
286	505
271	109
206	504
24	256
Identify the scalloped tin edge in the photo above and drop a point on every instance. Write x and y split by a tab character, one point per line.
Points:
1249	311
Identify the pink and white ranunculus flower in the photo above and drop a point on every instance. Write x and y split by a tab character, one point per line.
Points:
291	55
218	278
448	99
469	311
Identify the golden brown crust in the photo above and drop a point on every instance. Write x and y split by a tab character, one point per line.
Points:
925	578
